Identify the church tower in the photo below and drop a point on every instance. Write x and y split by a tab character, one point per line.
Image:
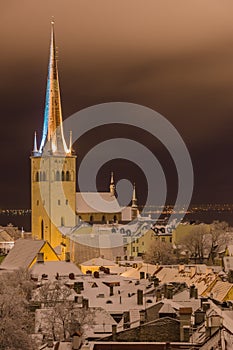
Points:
53	168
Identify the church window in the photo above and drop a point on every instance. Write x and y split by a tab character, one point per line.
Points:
42	229
37	176
62	176
67	176
57	176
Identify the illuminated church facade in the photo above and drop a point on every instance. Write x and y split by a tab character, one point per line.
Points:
54	202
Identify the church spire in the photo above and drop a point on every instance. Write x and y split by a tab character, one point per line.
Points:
53	128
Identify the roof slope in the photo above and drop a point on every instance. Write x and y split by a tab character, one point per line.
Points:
89	202
4	236
98	262
22	254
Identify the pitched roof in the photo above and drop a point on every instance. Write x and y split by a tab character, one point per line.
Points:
5	236
51	268
89	202
167	309
22	254
220	290
99	262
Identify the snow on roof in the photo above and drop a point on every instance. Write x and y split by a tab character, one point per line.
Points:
167	309
22	254
92	202
132	272
5	236
52	268
186	275
98	262
220	290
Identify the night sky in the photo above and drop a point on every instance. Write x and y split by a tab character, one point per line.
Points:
175	57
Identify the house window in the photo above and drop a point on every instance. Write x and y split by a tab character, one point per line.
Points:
59	202
62	221
67	201
37	202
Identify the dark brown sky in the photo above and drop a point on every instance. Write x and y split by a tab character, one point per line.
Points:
173	56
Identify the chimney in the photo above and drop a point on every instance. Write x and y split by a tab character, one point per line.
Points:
67	257
114	332
40	258
126	320
76	342
199	317
85	303
139	297
50	343
205	306
142	275
142	314
186	332
185	320
169	291
192	291
111	291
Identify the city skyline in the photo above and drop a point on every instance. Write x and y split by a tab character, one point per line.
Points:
183	72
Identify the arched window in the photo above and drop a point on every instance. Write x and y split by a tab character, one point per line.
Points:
57	176
62	176
37	177
62	221
43	176
42	229
103	219
67	176
115	218
91	218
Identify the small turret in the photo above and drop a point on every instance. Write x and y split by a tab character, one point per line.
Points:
134	198
35	151
112	186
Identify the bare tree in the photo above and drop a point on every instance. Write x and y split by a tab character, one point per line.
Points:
16	320
60	317
203	240
160	252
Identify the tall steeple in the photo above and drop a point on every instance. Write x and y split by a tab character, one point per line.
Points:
53	128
